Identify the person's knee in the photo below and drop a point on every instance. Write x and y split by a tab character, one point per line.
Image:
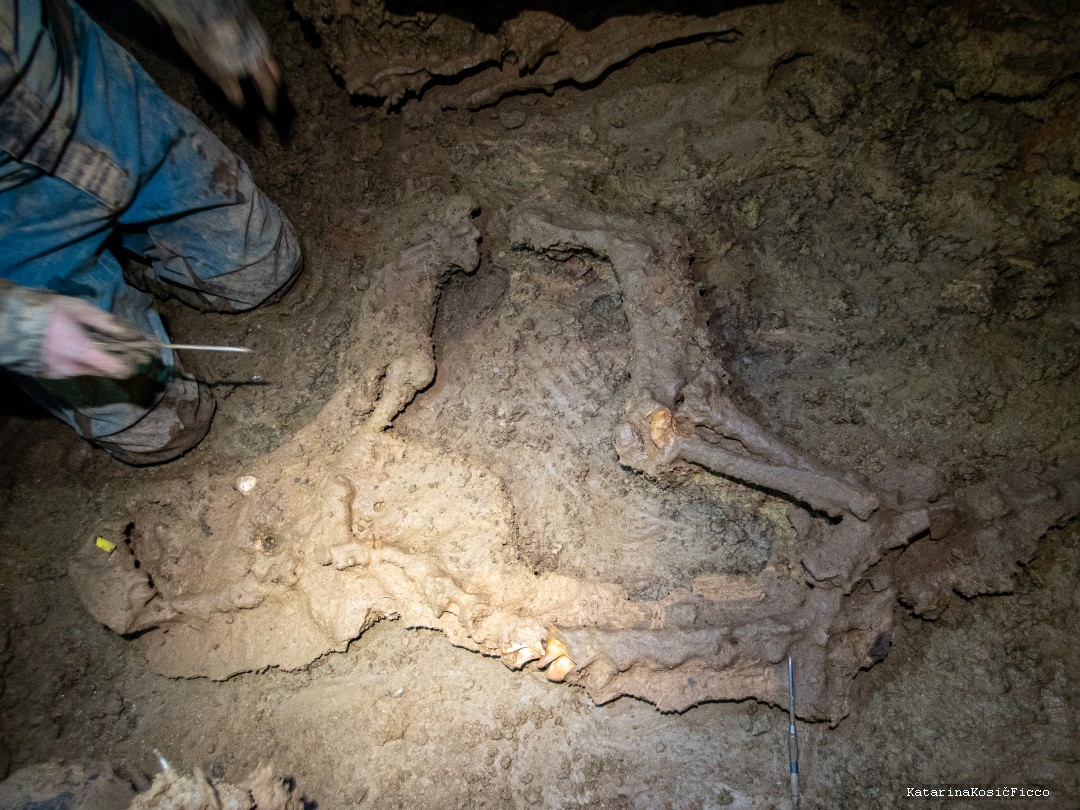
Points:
251	257
269	278
176	424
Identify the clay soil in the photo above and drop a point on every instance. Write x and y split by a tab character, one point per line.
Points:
880	206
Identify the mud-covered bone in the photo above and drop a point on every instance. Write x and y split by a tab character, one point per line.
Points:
115	590
654	277
766	460
428	535
390	56
444	243
996	527
657	293
827	493
705	404
261	790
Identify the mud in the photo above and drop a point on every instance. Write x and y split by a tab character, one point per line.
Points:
390	55
761	343
307	550
102	785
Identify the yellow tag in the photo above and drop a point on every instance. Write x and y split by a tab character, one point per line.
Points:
106	545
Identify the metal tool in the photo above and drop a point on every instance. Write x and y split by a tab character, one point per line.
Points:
793	743
137	349
194	348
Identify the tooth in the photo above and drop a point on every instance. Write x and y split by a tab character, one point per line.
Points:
519	655
559	668
554	649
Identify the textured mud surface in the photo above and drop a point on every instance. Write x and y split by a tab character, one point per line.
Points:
764	343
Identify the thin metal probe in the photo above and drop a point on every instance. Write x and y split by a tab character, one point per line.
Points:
190	347
793	742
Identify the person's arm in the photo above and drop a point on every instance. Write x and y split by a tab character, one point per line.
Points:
225	40
50	336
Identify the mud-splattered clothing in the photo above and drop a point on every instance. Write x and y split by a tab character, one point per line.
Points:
39	64
24	316
93	151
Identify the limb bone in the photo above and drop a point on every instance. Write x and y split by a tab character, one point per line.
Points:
665	415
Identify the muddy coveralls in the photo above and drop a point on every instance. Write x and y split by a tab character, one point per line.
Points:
92	150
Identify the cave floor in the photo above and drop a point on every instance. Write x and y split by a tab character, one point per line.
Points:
884	252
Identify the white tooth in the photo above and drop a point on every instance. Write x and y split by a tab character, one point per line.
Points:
520	656
559	668
553	649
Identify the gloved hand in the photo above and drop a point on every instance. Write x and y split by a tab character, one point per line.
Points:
226	41
208	55
69	347
47	335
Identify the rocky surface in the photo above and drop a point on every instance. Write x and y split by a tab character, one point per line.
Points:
761	343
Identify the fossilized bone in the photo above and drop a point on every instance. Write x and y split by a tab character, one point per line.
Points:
402	301
391	57
347	524
665	417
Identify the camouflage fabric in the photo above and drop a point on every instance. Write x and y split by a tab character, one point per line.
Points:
23	318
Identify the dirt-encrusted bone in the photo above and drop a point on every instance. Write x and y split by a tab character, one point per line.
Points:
348	523
657	294
114	588
392	57
402	302
104	785
663	414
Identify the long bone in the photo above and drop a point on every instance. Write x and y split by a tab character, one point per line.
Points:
663	412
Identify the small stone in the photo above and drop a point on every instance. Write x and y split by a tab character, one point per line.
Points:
965	119
511	119
245	484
